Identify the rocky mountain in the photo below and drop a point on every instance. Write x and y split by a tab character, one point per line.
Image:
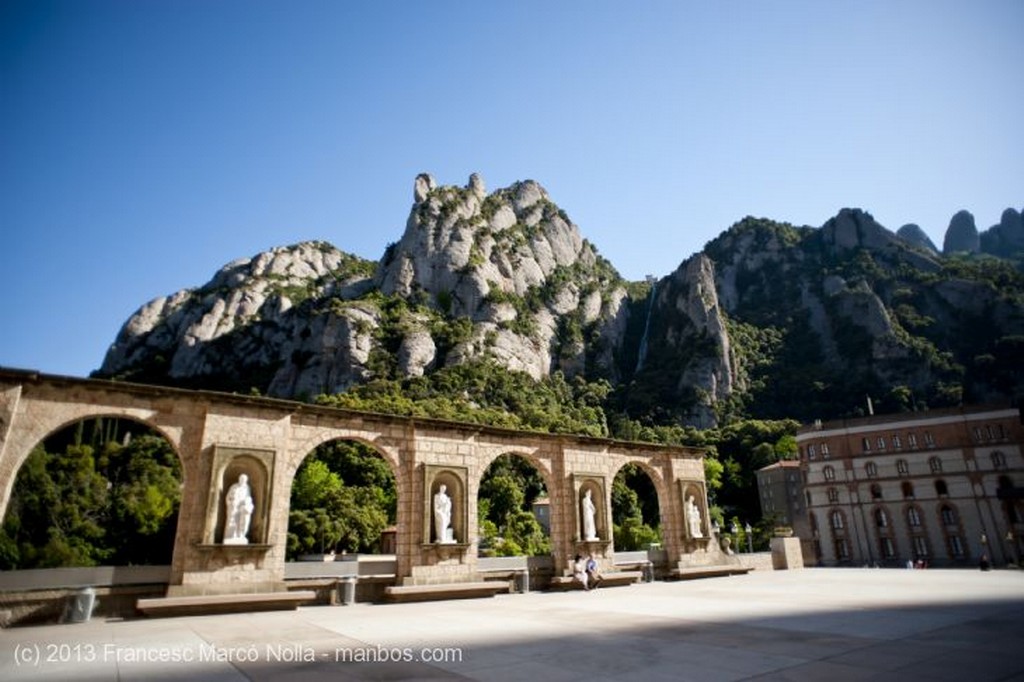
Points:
505	275
769	320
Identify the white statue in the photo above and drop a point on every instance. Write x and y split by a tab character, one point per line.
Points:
589	512
443	516
693	518
238	507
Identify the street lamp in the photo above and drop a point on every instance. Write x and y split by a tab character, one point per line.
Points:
750	538
735	534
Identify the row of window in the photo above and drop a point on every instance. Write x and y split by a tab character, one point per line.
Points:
948	517
989	432
903	467
906	487
887	549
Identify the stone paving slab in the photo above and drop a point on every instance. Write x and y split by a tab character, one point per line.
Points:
815	624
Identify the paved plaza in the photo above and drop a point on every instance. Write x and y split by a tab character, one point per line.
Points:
815	624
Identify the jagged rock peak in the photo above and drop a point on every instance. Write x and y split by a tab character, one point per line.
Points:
914	235
1007	238
423	186
854	228
962	234
460	242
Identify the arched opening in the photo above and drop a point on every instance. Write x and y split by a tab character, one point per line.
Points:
636	516
343	499
513	509
100	491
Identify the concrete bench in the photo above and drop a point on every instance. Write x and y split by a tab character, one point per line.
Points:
205	604
695	572
467	590
610	579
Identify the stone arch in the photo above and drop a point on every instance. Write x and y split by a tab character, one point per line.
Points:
369	447
545	516
59	432
542	466
20	446
381	446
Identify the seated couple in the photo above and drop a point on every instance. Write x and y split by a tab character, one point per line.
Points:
585	572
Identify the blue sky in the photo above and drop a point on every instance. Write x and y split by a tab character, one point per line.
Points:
143	145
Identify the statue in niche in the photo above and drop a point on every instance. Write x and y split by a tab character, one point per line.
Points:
238	508
589	514
443	517
693	517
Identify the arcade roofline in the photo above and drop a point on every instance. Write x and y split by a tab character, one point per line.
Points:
15	375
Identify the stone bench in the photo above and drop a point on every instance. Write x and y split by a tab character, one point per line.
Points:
695	572
610	579
207	604
466	590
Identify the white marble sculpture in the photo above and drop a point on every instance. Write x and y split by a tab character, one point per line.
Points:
443	517
238	509
693	518
589	513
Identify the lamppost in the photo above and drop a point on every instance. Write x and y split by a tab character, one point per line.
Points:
735	534
750	538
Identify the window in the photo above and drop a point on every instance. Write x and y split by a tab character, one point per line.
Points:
871	469
928	440
948	515
833	495
881	518
988	432
908	490
876	492
836	520
912	440
956	546
842	549
1005	489
896	443
902	468
810	452
941	489
881	442
830	473
998	460
920	547
935	464
913	517
866	444
886	548
977	434
1001	431
824	450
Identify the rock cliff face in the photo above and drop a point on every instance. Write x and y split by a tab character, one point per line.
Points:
514	265
770	320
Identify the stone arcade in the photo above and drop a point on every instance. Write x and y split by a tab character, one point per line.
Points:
239	455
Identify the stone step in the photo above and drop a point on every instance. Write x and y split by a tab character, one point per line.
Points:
205	604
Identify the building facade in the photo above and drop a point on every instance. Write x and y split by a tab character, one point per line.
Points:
780	488
944	487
